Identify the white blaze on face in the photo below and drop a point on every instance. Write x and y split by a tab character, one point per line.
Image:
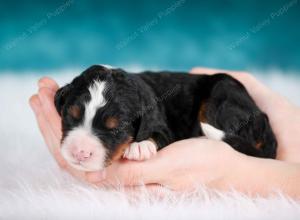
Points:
97	101
82	140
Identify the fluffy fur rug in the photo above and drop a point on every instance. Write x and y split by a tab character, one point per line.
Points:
33	187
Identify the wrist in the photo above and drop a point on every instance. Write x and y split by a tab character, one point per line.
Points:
238	173
230	168
248	177
257	176
243	174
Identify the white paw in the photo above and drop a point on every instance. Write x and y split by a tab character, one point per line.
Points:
211	132
140	150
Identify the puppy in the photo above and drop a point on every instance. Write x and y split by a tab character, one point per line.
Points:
108	114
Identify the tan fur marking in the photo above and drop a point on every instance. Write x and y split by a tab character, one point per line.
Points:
202	112
74	111
111	122
259	145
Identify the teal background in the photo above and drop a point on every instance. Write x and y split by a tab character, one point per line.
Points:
177	35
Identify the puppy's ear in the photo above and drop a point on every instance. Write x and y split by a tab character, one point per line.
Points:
60	97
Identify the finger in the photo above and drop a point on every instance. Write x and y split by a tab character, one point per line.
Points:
202	70
242	76
51	140
52	121
48	83
46	97
129	173
210	71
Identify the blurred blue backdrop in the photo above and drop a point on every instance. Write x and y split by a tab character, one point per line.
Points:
171	34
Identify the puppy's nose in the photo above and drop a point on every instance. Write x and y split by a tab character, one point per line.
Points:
82	155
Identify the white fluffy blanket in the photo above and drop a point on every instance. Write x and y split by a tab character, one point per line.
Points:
33	187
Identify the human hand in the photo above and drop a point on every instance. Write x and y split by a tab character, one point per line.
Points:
284	117
181	165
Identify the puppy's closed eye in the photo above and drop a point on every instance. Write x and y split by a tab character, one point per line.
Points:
74	111
111	122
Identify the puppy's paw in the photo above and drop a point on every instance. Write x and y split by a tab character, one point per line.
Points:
140	150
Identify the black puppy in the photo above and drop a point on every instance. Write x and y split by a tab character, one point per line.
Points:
108	114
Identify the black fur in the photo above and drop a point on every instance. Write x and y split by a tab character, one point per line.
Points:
165	106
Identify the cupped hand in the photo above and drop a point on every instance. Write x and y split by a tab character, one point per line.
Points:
182	165
49	122
177	166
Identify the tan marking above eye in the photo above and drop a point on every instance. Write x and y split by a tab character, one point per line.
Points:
74	111
202	112
259	145
111	122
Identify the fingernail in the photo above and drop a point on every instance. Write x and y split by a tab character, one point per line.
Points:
45	92
41	83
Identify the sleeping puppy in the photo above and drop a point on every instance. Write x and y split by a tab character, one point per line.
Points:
108	114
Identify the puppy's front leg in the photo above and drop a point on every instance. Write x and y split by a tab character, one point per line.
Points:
143	150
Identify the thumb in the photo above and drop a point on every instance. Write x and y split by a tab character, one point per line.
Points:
129	173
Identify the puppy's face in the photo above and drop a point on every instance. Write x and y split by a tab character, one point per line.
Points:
97	121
